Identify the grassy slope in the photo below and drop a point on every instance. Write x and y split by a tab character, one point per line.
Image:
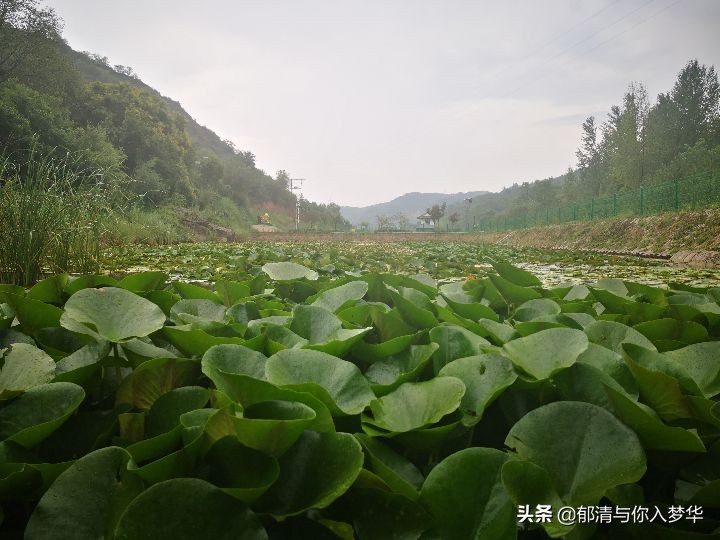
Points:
663	234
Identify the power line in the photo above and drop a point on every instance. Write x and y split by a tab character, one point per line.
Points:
574	46
586	19
631	27
611	38
588	38
419	130
537	50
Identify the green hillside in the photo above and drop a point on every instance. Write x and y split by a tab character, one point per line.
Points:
112	129
94	68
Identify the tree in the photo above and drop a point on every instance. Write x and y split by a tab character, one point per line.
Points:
543	194
587	154
402	221
661	135
690	112
436	212
125	70
384	222
146	129
570	186
283	179
30	119
210	171
695	159
696	95
248	157
454	218
335	217
27	32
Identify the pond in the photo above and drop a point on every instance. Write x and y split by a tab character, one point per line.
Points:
441	260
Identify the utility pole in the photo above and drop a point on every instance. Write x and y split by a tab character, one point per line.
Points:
295	187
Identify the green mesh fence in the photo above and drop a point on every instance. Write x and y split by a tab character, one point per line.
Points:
695	191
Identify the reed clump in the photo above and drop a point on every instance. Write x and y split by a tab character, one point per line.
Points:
52	216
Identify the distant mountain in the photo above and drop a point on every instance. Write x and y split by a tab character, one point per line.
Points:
410	204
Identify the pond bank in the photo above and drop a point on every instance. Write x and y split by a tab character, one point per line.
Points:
691	237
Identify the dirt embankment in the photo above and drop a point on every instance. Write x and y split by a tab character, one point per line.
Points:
674	235
691	237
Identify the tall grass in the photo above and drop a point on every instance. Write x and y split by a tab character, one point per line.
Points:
159	226
52	215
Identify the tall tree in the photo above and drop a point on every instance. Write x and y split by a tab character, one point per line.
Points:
384	222
681	118
661	135
627	157
588	152
30	45
283	179
436	212
696	95
589	160
25	30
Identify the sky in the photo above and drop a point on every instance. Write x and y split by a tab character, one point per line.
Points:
370	99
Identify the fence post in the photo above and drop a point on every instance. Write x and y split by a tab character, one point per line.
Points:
592	208
575	212
614	204
677	194
642	200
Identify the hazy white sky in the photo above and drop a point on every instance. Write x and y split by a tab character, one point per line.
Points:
371	99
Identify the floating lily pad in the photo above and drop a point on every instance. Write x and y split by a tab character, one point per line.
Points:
115	314
314	472
335	382
485	377
584	448
544	353
188	508
415	405
24	367
466	498
32	417
86	501
287	271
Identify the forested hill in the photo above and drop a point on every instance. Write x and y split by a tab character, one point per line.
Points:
54	100
95	68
